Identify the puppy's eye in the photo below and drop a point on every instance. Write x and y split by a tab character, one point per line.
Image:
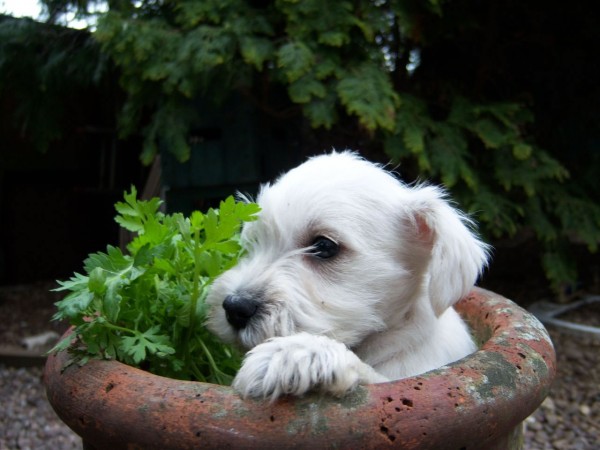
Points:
324	248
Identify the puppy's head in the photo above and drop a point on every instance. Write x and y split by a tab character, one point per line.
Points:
342	248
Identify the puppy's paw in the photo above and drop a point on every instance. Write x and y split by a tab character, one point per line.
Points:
300	363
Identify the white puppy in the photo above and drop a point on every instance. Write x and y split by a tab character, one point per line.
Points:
350	278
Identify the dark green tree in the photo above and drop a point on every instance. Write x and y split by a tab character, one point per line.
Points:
42	70
458	92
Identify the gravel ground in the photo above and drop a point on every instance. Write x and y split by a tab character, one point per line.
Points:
27	421
568	419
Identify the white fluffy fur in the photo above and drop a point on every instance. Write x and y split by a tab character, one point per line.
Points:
406	257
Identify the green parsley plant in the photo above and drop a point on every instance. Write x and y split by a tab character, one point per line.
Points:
146	307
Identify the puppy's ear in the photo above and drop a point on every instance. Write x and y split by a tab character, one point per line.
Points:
457	256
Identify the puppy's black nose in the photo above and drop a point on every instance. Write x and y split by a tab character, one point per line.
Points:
239	310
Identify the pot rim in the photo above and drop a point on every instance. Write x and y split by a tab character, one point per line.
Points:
472	402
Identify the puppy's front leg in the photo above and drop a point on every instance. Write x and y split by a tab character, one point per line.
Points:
299	363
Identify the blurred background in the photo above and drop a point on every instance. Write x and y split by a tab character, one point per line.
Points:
497	102
194	100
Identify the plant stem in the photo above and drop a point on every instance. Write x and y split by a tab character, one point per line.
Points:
196	281
118	328
195	292
216	371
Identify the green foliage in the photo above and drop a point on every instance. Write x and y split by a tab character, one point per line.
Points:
325	55
38	65
499	174
486	138
146	308
367	93
463	117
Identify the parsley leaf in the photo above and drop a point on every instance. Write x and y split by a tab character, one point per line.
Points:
146	307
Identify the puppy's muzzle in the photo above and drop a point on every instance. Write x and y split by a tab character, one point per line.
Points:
239	309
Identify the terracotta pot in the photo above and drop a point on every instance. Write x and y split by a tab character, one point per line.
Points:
477	402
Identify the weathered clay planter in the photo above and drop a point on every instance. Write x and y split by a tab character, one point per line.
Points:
477	402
